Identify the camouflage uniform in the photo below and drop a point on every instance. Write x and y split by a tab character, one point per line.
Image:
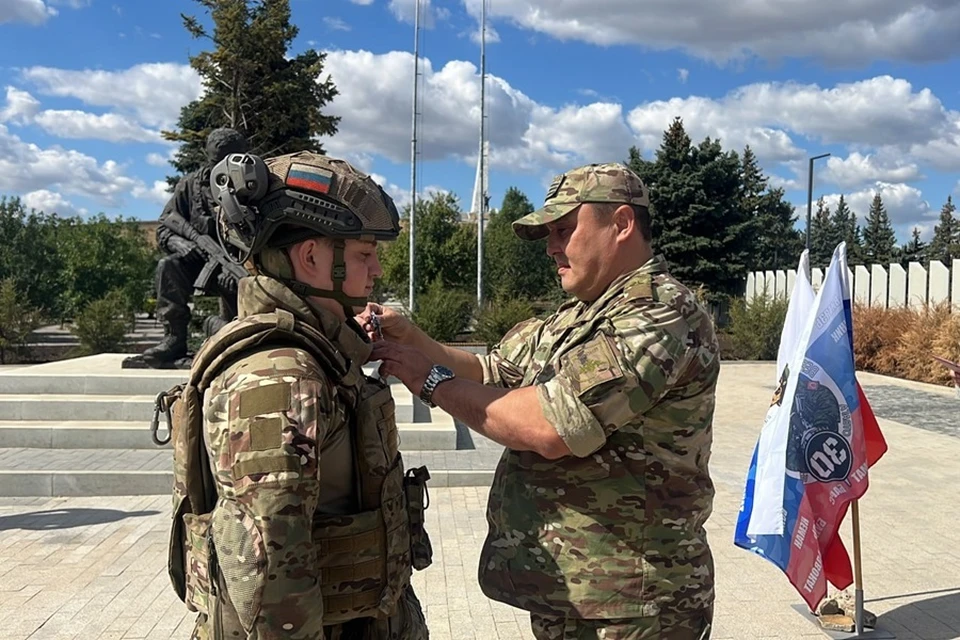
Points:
608	542
280	509
293	515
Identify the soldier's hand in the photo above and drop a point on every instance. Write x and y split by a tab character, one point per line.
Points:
407	364
393	326
227	282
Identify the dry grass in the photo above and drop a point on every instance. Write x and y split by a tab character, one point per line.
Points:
900	342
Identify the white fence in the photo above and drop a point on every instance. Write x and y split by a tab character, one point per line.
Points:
875	285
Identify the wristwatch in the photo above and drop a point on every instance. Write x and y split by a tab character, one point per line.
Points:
437	374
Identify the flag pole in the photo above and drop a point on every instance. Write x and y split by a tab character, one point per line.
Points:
857	569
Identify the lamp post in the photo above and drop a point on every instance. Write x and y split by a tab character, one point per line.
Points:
810	194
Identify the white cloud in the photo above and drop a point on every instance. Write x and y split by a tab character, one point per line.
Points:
160	160
890	128
33	12
362	3
787	184
21	107
109	126
25	167
904	204
51	202
401	197
336	24
857	169
840	32
875	112
682	75
153	92
375	104
157	193
405	11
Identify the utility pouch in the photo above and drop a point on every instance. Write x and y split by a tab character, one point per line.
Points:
415	489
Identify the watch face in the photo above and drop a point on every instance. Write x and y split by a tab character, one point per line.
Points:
442	370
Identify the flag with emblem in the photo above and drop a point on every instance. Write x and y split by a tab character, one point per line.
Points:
816	445
303	176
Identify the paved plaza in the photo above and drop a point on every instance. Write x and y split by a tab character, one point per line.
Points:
95	567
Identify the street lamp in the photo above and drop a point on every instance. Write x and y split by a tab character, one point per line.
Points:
810	194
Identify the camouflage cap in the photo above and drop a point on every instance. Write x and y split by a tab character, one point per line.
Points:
609	182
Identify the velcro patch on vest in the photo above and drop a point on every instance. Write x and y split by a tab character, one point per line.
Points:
265	464
591	364
269	398
266	433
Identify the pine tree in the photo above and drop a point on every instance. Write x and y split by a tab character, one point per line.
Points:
252	84
944	247
699	224
822	236
879	238
913	251
776	243
844	228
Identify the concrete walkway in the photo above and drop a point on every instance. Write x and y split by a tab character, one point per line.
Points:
95	567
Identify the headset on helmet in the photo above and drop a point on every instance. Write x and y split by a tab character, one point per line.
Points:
284	200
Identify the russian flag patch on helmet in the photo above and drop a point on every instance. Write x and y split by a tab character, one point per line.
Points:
303	176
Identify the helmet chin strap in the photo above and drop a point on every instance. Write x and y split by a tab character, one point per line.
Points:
338	274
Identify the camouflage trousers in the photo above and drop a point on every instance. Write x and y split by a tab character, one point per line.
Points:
408	623
662	627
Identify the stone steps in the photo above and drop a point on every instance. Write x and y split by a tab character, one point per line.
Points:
28	472
81	427
437	435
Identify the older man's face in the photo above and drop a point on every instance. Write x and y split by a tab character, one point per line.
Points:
583	246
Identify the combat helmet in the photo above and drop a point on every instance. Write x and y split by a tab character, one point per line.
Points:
275	203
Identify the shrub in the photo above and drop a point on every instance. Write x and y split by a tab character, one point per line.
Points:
18	319
102	324
754	329
499	316
443	313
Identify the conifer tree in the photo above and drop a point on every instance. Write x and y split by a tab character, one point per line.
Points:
252	84
879	238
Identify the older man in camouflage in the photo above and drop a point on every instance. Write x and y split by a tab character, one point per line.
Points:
605	408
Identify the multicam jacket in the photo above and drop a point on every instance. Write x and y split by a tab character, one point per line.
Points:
299	542
616	529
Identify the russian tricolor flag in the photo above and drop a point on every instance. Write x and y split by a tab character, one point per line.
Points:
818	440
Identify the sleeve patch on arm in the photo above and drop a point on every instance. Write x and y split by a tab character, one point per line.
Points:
270	398
591	364
266	433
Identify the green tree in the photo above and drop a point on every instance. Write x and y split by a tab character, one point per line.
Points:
879	238
944	247
445	246
17	319
698	222
915	250
822	236
29	254
776	241
514	267
100	256
844	228
253	84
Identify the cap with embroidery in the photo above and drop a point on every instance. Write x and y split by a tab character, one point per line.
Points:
610	182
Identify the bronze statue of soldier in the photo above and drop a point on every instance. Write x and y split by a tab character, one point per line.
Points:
194	262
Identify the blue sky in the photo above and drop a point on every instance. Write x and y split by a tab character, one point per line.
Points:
86	86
